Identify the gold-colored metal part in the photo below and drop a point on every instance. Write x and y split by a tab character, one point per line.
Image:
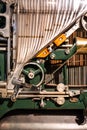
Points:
73	99
60	40
81	45
45	52
82	51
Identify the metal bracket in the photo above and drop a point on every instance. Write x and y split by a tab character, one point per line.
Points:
73	29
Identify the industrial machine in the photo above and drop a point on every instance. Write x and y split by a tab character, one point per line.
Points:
34	52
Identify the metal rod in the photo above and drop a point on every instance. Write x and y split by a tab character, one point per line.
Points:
8	55
40	96
44	93
70	85
82	85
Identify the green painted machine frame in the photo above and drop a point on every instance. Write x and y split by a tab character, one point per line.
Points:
7	105
3	64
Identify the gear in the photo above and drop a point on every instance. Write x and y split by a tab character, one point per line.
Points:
34	73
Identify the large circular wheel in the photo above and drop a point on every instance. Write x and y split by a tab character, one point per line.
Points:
34	74
84	21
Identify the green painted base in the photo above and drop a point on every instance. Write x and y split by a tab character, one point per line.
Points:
7	105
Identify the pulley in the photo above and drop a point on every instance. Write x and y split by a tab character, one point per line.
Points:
84	21
34	73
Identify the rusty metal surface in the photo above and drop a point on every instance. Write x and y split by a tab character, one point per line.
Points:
43	120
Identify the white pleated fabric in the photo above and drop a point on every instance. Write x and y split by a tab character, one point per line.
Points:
39	22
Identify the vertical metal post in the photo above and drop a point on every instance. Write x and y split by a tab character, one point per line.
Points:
14	24
9	43
8	55
65	75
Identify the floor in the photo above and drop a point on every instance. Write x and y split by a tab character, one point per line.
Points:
43	120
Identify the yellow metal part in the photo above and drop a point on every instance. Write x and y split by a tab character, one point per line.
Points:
45	52
60	40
